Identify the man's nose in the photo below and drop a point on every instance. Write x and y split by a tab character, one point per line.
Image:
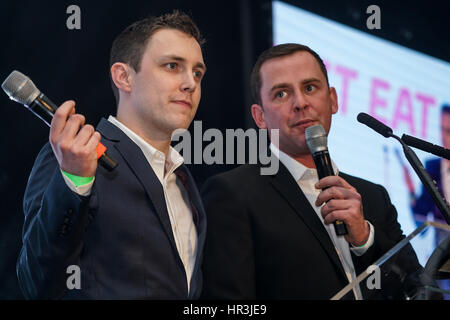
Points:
188	84
301	102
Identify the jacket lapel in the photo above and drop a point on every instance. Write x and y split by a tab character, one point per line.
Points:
201	228
136	160
288	188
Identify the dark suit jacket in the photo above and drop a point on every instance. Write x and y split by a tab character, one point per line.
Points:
120	236
265	241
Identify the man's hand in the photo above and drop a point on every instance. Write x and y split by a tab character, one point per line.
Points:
74	149
343	202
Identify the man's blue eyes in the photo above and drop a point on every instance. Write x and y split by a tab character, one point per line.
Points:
174	65
281	94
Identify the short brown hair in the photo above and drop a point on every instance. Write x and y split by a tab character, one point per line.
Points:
129	46
275	52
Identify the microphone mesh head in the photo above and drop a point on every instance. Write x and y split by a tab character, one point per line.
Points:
20	88
316	138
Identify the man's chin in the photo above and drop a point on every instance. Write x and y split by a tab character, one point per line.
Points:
180	125
297	147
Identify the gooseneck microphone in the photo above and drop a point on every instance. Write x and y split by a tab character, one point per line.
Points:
375	125
426	146
428	183
316	139
21	89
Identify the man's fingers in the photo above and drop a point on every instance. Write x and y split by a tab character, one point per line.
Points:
84	135
60	118
73	125
94	140
333	181
72	111
334	205
335	215
74	143
332	193
335	187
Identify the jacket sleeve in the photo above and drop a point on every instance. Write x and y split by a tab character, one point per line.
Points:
52	239
229	266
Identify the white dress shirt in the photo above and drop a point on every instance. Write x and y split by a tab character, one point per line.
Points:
176	196
306	179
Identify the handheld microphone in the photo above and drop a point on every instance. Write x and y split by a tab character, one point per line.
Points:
316	139
21	89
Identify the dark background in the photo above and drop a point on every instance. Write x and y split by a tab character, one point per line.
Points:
73	64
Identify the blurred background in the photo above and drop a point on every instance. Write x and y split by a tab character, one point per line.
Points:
399	73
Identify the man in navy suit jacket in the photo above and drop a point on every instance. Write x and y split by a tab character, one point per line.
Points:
138	231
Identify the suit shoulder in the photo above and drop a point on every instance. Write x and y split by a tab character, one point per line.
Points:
238	174
240	178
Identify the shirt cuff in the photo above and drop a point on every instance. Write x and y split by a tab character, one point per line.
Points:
82	190
359	251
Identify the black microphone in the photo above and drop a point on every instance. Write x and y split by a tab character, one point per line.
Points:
374	124
426	146
21	89
316	139
428	182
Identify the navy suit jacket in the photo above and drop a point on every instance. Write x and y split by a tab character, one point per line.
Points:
120	236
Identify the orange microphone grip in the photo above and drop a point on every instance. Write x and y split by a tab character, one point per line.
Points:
100	150
104	159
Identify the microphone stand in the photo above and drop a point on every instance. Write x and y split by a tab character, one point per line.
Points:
428	183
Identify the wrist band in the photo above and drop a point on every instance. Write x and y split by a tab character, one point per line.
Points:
78	181
363	244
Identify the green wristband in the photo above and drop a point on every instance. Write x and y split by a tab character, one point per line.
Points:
362	245
78	181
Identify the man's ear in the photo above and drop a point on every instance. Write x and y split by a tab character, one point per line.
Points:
258	116
121	75
334	100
